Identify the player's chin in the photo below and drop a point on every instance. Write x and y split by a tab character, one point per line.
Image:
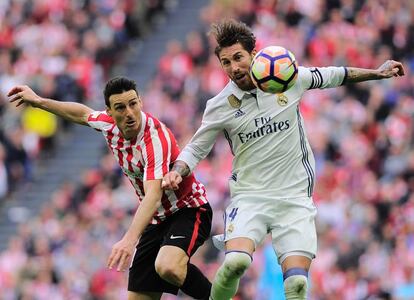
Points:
130	131
245	83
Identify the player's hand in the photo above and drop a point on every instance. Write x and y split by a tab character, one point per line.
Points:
391	68
171	180
23	94
121	255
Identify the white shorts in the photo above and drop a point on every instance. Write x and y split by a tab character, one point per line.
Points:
291	222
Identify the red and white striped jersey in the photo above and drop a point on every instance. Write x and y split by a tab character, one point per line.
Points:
148	157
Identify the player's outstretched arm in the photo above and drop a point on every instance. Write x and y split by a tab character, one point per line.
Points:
123	250
71	111
173	178
390	68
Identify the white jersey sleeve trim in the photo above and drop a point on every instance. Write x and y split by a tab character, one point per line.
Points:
321	78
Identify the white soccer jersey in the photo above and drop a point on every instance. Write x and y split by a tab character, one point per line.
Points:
266	135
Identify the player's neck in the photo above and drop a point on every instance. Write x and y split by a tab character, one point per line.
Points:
131	134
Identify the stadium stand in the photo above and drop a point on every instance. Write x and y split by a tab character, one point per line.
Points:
362	137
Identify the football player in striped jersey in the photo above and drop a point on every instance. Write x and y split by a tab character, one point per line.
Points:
168	226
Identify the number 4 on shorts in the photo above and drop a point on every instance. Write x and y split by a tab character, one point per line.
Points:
233	213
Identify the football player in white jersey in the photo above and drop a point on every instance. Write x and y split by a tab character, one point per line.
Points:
273	168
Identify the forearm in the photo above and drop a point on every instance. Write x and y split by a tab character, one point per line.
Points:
181	168
71	111
359	75
142	217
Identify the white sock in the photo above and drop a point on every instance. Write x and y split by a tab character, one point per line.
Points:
296	287
226	281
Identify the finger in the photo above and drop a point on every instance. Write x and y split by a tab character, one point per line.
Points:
15	98
166	183
14	90
123	262
20	103
401	70
109	262
113	258
175	185
395	71
178	179
113	262
399	66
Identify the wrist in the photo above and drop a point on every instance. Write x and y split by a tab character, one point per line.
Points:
181	168
380	74
39	102
131	237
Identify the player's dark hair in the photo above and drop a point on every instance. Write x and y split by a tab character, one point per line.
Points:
230	32
118	85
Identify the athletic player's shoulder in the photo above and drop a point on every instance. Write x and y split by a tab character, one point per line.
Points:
218	104
227	99
100	120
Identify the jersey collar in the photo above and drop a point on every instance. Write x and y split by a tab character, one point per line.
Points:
240	94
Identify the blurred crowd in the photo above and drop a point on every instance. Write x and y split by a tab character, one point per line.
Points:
362	137
64	49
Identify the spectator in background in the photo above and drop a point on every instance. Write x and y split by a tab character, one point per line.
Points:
64	49
4	185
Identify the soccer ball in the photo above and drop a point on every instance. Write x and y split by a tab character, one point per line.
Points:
274	69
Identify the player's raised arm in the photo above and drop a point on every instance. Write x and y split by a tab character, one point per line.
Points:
71	111
388	69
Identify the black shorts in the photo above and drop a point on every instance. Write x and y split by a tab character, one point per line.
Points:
186	229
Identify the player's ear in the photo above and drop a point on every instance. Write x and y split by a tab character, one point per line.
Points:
253	53
108	111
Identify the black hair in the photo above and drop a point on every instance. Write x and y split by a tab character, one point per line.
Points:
230	32
118	85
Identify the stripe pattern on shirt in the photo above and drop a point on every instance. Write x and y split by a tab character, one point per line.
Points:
305	155
148	157
227	136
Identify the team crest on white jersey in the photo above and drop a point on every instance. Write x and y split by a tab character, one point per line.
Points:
282	100
230	228
234	101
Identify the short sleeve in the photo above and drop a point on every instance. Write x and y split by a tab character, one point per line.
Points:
100	120
156	151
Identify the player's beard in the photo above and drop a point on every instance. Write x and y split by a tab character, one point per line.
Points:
245	83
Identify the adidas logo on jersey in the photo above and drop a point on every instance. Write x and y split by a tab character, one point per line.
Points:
239	113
